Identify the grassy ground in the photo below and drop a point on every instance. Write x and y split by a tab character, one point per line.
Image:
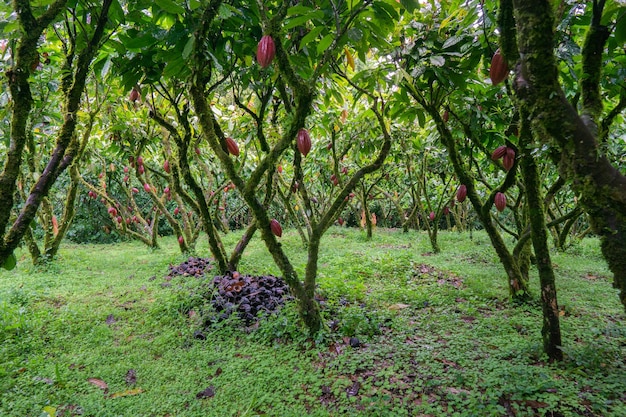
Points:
98	334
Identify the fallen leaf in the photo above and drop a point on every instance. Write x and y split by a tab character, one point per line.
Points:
131	377
110	319
99	383
127	393
536	404
218	372
353	389
206	393
398	306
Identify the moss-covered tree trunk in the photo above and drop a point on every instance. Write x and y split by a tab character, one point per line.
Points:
551	330
601	186
73	84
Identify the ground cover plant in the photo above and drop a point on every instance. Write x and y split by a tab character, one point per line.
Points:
104	331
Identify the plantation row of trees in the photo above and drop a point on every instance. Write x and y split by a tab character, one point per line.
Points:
198	116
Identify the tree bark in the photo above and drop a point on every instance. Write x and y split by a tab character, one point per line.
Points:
601	186
19	86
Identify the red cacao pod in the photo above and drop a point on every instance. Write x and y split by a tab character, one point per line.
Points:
146	187
499	70
461	193
280	169
112	211
232	146
498	153
508	160
166	190
340	221
134	95
181	240
266	50
304	141
125	170
446	116
276	228
431	216
176	210
135	190
119	219
446	211
139	160
141	169
500	201
166	166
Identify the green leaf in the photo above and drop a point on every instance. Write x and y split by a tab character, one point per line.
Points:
10	262
300	20
311	35
189	47
170	6
410	5
325	43
437	60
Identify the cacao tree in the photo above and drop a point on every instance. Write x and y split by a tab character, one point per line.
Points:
574	132
89	25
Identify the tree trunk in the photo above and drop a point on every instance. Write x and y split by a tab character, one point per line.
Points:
601	186
551	330
73	87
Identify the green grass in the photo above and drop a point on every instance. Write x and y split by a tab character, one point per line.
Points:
438	336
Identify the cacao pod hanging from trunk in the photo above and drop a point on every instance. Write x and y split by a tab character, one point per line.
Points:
276	228
498	153
232	146
461	193
508	160
266	50
304	141
500	201
499	69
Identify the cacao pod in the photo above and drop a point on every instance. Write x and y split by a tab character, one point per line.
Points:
125	170
135	190
166	166
166	190
340	221
276	228
139	160
119	219
508	160
232	146
181	240
461	193
176	210
112	211
280	169
500	201
304	141
266	50
499	70
431	216
134	95
141	169
446	116
498	153
146	187
446	211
